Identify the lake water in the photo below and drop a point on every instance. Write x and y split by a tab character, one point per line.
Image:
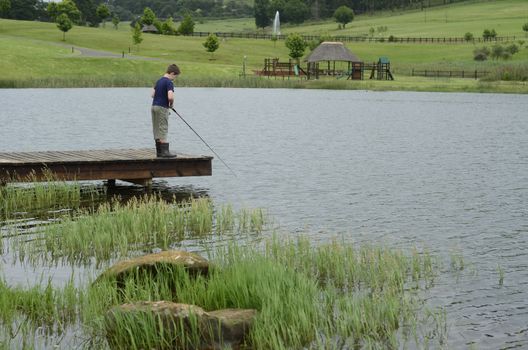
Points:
444	171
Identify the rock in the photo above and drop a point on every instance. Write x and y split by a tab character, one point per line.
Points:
168	321
193	263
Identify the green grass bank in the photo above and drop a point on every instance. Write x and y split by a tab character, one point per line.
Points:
34	54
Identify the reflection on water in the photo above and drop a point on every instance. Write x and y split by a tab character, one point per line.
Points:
444	171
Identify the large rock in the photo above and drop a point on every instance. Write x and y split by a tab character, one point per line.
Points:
194	264
165	322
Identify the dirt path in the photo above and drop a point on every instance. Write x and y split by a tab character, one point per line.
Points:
98	53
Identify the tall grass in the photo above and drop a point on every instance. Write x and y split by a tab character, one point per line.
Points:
306	296
44	196
41	307
117	229
509	72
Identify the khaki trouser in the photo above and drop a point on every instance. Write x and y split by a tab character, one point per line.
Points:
160	122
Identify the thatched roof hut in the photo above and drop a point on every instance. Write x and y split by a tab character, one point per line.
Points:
149	28
331	51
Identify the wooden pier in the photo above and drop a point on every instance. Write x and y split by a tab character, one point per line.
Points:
138	166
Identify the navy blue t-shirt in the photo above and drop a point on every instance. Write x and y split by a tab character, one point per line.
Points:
161	90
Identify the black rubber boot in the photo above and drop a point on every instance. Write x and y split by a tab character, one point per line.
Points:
164	151
158	150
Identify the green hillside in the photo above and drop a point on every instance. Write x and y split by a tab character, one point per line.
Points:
33	53
506	17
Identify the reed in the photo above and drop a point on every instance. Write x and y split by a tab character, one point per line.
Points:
306	296
41	307
117	229
509	72
48	195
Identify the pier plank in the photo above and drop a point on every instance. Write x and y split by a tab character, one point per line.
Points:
137	165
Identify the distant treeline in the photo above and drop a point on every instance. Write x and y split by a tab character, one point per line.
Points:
293	11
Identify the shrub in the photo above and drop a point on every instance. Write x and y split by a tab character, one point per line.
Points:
168	27
512	49
481	54
489	34
497	51
186	26
392	38
469	36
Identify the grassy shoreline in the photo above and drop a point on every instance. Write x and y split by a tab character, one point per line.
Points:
402	84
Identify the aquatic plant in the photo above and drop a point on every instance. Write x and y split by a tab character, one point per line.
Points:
116	229
306	296
48	195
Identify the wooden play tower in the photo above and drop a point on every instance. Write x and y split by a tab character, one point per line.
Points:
381	70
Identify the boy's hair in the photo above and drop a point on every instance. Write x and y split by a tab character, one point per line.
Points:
173	69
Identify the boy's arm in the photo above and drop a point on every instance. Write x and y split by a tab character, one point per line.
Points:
170	95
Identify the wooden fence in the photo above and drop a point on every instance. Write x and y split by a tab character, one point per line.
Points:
448	73
391	39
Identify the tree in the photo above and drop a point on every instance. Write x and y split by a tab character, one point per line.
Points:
115	21
148	17
137	34
5	6
295	11
489	34
67	7
88	12
344	15
168	28
297	45
102	13
186	26
53	10
64	24
525	28
22	9
468	36
262	15
211	44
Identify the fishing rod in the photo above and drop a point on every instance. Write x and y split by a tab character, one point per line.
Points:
212	150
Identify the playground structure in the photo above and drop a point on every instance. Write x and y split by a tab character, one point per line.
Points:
380	70
354	71
274	68
331	59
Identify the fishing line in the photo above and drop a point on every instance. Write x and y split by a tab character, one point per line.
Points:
212	150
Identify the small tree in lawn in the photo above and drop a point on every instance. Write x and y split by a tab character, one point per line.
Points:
296	44
344	15
115	21
137	35
211	44
525	28
103	13
64	24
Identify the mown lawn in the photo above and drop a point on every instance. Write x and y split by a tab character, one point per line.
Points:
33	52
